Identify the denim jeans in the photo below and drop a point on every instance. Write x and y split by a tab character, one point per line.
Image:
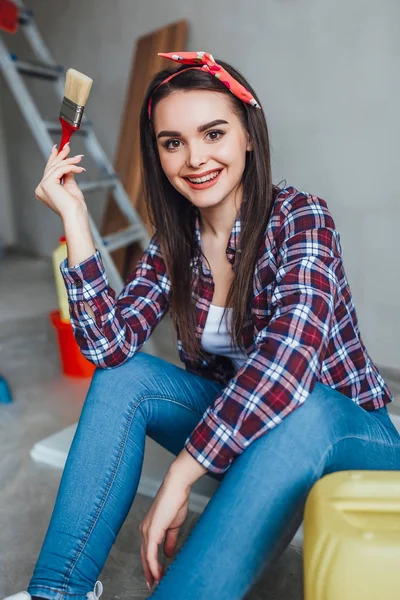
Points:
252	515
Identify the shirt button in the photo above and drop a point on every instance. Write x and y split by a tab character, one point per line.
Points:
78	283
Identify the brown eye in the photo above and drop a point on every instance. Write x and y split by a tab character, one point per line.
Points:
167	144
215	131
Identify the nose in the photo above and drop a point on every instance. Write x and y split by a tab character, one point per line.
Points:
196	156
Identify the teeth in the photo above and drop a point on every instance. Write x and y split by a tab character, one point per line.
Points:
204	179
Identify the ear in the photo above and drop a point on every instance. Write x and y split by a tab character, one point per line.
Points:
250	146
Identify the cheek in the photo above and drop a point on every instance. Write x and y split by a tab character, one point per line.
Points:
171	164
172	167
230	153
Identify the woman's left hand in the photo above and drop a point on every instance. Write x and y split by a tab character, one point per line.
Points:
165	517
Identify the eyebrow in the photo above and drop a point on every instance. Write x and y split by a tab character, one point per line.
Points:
199	129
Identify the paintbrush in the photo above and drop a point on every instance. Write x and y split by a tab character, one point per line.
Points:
76	92
9	17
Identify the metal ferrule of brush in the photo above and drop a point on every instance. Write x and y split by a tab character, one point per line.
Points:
71	112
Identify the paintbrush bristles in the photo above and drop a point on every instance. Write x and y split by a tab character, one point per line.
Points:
77	87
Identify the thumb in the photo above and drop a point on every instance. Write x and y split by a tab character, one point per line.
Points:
171	539
69	177
70	183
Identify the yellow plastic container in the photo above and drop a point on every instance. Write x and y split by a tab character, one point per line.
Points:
352	537
59	254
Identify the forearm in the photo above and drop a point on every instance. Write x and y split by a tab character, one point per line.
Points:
80	245
119	326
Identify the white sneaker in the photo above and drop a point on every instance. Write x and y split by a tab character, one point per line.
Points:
97	592
95	595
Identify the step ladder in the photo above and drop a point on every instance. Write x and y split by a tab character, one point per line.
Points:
43	67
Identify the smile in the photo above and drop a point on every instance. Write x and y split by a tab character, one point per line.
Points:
203	182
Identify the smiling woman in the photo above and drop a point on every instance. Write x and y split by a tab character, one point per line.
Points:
181	155
278	388
198	179
210	160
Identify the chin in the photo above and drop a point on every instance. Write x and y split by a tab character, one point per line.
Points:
208	202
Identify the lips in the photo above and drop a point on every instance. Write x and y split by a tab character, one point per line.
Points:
207	184
202	174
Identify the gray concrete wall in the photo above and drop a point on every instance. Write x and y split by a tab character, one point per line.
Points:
326	75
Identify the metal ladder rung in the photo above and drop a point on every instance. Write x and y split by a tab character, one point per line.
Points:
131	234
107	182
38	69
25	16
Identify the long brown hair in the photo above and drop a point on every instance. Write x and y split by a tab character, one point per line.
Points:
173	216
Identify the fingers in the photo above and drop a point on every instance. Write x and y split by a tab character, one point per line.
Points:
149	555
54	154
57	160
152	560
171	540
67	162
64	169
147	573
58	172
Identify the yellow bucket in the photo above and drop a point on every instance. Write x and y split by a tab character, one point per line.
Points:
352	537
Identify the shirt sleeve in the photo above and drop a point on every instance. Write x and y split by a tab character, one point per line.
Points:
282	370
121	325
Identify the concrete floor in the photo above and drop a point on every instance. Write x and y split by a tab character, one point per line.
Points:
45	402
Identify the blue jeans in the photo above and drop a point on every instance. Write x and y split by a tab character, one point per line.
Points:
255	510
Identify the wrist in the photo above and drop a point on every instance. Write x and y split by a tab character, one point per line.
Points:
76	211
80	244
186	469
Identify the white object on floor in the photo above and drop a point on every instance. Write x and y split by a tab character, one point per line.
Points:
97	592
95	595
53	450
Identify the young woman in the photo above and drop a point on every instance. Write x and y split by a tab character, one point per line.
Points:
277	388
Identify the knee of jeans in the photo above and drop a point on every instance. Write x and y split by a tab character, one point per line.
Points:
323	410
132	377
328	409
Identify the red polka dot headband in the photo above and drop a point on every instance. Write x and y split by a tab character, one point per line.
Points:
208	65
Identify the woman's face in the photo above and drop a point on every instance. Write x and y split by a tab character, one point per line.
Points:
185	151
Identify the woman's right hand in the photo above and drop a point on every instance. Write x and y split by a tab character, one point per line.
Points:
60	198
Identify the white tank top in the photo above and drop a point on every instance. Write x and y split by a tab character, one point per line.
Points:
216	338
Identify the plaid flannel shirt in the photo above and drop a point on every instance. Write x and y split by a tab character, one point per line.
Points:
302	329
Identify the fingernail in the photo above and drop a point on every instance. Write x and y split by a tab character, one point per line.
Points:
67	144
148	585
78	155
55	146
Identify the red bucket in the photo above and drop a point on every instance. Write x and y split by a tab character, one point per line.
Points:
73	363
